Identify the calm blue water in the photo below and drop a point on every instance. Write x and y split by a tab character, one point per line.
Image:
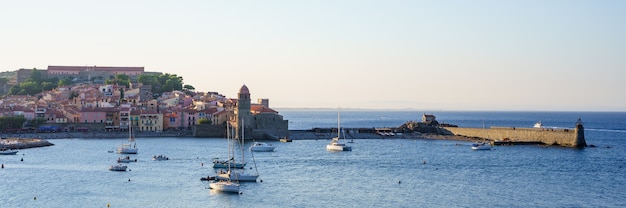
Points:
73	172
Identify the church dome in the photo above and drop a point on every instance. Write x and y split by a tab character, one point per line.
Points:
244	90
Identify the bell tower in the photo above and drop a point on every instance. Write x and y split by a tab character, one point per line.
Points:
243	109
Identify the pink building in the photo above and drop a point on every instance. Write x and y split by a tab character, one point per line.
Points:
92	115
171	120
190	118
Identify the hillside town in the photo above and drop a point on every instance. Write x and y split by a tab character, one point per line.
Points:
93	103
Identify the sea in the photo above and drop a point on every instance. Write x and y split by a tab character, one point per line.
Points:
390	172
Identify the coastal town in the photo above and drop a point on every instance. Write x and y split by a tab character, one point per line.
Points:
109	100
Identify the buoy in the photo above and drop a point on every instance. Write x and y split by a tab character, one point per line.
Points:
108	205
399	182
22	159
35	198
129	179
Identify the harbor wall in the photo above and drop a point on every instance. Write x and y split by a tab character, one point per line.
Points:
550	136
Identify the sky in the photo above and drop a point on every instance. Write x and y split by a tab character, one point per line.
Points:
547	55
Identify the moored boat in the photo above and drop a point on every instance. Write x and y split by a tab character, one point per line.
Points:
8	152
118	167
335	144
160	157
131	146
262	147
481	146
224	186
239	176
126	159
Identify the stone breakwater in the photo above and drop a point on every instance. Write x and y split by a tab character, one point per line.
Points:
308	135
23	143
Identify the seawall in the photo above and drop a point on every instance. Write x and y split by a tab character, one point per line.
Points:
549	136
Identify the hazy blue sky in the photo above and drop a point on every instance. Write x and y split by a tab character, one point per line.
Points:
431	55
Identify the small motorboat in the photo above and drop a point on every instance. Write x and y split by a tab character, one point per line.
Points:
262	147
208	178
126	159
118	167
160	157
8	152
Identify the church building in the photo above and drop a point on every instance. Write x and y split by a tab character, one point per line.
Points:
258	119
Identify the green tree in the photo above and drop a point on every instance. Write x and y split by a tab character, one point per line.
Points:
14	90
47	86
36	75
65	82
3	82
13	122
189	87
204	121
120	79
29	88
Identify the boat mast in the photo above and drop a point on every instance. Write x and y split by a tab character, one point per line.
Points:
228	135
243	129
338	125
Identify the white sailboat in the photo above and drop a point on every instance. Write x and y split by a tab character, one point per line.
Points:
482	145
335	143
240	175
131	146
230	162
226	184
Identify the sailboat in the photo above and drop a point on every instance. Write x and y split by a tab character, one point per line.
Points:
131	146
230	162
239	175
335	143
226	184
482	145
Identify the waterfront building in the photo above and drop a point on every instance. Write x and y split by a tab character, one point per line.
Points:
260	121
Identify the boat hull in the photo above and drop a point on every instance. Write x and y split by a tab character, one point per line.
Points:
225	186
126	160
224	164
238	176
127	150
335	147
482	146
262	147
117	168
160	158
8	152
